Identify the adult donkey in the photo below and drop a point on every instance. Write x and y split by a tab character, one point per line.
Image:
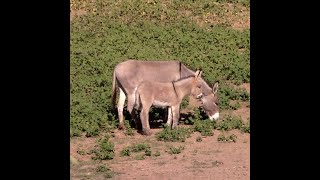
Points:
129	74
168	94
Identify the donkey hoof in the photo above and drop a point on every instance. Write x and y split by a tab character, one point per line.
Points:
146	133
121	127
174	126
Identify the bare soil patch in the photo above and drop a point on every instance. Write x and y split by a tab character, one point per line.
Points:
234	15
76	13
208	159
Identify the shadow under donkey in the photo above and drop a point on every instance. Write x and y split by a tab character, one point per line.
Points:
158	118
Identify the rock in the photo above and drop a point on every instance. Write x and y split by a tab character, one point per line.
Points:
73	160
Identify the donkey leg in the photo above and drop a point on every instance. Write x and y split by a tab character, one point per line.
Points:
131	101
144	116
130	108
175	116
122	98
165	114
169	121
136	120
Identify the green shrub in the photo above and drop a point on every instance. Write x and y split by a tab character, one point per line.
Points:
148	152
102	168
105	170
199	139
175	150
230	122
125	152
178	134
129	131
246	127
198	114
81	152
139	147
230	138
136	148
205	127
112	31
227	93
105	150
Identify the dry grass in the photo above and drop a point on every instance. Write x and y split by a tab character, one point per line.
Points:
234	15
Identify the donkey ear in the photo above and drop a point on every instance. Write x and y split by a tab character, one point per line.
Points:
198	74
215	88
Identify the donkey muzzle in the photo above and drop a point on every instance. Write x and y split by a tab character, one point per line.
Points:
199	96
214	117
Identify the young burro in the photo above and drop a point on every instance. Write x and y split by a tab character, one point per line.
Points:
128	74
165	94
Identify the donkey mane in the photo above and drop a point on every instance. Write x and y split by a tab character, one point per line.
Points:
183	79
180	81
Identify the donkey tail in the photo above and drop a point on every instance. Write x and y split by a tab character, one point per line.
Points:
114	90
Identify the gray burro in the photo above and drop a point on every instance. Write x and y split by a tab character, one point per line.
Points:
131	75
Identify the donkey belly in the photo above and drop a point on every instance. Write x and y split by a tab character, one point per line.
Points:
162	104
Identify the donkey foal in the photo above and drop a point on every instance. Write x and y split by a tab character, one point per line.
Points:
163	95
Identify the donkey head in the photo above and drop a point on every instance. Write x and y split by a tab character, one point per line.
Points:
210	103
196	88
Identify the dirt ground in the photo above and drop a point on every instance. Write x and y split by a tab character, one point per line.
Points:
208	159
